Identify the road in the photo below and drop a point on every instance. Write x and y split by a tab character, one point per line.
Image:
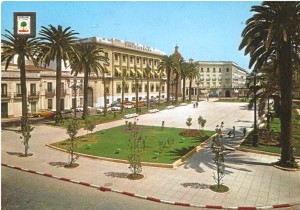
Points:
22	190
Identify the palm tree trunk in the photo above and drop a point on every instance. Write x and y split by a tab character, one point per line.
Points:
123	87
183	89
104	85
147	92
23	88
85	95
176	88
168	85
190	90
58	116
285	71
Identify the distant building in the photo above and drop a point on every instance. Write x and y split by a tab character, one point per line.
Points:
219	78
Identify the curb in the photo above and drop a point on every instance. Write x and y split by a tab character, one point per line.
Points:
107	189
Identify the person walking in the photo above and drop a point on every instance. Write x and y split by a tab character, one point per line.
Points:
233	131
244	131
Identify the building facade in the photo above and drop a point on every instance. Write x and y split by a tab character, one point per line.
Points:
127	62
219	79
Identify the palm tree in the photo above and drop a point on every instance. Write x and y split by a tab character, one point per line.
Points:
23	48
274	30
147	72
192	73
183	68
57	45
88	60
124	84
169	64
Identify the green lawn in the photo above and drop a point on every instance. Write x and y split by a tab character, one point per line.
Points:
275	128
106	143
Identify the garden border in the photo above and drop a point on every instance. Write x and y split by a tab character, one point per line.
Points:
161	165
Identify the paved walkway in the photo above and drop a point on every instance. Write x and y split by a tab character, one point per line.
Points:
251	178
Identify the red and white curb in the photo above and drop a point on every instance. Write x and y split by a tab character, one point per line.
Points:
107	189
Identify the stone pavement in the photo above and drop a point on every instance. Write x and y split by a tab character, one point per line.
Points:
251	178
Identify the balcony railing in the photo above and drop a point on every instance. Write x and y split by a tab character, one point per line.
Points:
5	96
63	93
33	96
50	94
17	95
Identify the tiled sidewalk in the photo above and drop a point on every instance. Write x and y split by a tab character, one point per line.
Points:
251	178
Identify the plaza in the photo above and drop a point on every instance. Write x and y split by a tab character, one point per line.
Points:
251	178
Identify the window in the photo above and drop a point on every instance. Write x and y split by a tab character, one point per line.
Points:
163	88
131	59
155	63
220	69
152	88
126	89
150	62
124	58
19	90
227	69
140	88
49	86
50	103
144	61
214	69
157	87
4	90
138	60
201	69
32	89
106	54
116	57
106	89
118	88
207	69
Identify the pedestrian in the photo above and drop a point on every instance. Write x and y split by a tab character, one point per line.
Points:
244	131
196	104
233	131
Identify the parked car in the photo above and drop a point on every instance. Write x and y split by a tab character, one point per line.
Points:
80	108
100	110
66	111
46	113
128	106
114	109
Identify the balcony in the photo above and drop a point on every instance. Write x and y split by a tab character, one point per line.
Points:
17	95
33	96
63	93
49	94
5	96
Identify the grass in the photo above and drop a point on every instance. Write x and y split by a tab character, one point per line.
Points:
220	189
275	128
113	143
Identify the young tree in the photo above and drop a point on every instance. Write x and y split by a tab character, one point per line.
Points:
136	150
201	122
22	48
57	44
274	30
72	131
189	122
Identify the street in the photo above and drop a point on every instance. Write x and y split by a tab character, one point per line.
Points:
28	191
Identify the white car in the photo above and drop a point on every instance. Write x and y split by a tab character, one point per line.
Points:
80	109
100	110
128	106
114	109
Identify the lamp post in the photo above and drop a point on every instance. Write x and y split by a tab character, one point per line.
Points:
197	83
75	86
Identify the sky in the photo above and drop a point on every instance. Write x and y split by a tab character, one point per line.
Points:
203	30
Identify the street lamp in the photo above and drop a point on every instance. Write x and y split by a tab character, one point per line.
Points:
197	83
75	86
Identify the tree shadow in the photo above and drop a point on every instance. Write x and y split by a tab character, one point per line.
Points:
58	164
117	174
195	185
